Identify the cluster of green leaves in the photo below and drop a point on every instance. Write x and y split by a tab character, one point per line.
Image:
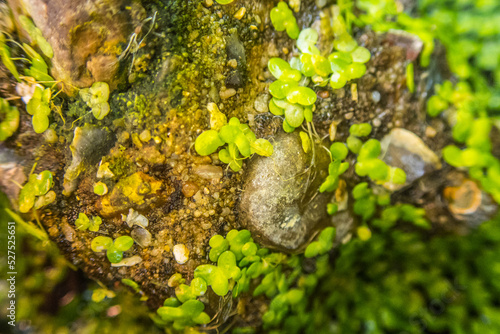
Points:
473	48
472	52
239	261
38	70
183	315
98	295
39	107
344	64
368	163
247	261
291	291
35	193
405	282
114	249
291	96
83	222
241	143
459	96
366	201
36	35
9	117
282	19
290	99
472	127
402	212
322	245
96	98
185	310
336	168
5	56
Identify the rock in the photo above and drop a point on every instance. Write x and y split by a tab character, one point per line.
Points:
141	236
189	189
135	218
208	171
89	145
234	80
181	253
280	202
402	148
468	203
410	42
11	174
137	190
261	103
236	50
87	37
227	93
128	261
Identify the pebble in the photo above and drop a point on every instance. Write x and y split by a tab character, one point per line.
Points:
349	115
240	13
375	96
261	103
233	63
208	171
181	253
135	218
141	236
324	94
128	262
226	94
430	132
189	189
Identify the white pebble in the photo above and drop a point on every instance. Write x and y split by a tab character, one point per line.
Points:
181	253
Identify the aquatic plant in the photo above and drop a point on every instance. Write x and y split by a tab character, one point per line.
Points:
322	245
114	249
241	143
96	98
83	222
36	35
39	107
282	19
9	116
35	191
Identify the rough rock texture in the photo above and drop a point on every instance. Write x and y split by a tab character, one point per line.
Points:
280	203
11	174
402	148
88	146
190	59
87	36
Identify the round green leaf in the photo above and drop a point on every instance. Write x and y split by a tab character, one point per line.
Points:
208	142
302	95
123	243
294	115
277	66
101	243
360	55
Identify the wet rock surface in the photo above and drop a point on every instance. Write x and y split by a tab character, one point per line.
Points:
87	37
280	203
402	148
187	198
